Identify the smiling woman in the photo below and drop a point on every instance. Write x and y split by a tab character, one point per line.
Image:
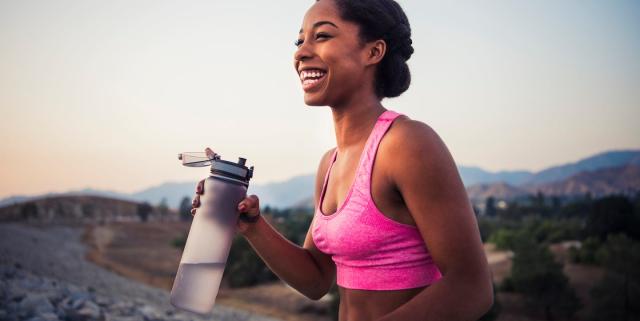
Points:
393	226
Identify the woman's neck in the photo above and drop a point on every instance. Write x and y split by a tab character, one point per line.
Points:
353	122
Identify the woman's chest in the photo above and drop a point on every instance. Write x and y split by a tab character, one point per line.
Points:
381	189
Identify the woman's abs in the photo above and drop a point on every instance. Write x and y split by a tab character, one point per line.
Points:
365	305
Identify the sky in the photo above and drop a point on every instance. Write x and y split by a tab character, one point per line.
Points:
104	94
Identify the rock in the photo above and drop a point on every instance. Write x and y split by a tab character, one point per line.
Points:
34	304
88	311
150	313
103	301
123	307
79	297
48	316
9	272
87	314
15	293
123	318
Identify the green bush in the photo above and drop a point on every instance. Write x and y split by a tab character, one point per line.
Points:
505	239
586	254
179	242
244	267
507	285
617	295
540	279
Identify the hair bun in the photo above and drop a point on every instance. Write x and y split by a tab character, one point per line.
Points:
399	39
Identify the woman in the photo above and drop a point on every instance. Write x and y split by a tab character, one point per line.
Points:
400	237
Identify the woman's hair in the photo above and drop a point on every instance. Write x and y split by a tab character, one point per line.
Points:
383	19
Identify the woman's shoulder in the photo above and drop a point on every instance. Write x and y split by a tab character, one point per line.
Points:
414	144
406	133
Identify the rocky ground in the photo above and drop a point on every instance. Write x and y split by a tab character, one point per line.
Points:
44	276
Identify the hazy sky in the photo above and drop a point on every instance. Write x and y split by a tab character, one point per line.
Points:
106	93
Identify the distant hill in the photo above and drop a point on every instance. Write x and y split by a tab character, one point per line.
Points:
279	194
475	175
602	160
499	190
80	208
298	190
174	192
285	194
83	192
605	181
307	203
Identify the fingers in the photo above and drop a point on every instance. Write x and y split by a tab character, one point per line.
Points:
195	203
210	153
250	205
200	187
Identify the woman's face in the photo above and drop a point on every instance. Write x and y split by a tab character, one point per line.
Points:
330	59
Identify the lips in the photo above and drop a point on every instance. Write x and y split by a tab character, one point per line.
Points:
312	78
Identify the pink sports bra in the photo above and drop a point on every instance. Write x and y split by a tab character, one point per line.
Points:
370	250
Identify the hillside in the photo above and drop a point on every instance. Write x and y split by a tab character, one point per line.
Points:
599	161
617	180
81	209
498	190
297	191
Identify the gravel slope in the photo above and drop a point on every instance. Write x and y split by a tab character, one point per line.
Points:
46	255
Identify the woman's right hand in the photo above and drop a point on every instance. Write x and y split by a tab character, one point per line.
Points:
249	206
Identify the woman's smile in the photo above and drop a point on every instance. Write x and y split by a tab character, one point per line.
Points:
312	79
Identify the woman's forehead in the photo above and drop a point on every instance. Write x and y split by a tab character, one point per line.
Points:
323	10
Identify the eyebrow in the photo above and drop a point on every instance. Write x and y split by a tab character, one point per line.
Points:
320	23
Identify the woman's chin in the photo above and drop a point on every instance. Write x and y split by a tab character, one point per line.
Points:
314	100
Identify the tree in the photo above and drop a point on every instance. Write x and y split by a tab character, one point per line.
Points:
536	275
609	215
617	296
29	211
185	209
538	204
163	208
490	206
586	254
505	239
144	209
244	267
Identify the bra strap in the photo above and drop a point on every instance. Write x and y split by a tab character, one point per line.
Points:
382	126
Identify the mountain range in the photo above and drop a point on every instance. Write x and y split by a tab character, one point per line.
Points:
600	174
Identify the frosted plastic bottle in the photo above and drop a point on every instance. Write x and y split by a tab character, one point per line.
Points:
197	281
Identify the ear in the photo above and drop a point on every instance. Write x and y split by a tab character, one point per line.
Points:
376	51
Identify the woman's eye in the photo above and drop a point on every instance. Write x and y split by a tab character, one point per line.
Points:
298	42
322	35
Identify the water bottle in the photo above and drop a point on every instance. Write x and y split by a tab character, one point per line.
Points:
197	281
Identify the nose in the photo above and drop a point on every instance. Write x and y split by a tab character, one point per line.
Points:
302	53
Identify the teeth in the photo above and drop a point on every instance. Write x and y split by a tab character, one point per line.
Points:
305	74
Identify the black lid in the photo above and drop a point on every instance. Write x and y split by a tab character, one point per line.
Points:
232	170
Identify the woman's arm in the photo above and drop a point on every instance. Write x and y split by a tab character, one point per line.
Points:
430	185
306	269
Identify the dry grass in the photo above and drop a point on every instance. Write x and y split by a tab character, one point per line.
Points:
144	252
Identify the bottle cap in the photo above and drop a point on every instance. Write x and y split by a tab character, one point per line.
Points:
219	167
